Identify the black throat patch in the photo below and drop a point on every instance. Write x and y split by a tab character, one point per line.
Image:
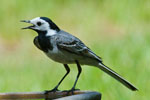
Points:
43	42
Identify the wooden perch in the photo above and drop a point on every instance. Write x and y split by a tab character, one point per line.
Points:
59	95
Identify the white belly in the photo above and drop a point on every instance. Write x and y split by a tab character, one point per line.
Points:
60	57
65	57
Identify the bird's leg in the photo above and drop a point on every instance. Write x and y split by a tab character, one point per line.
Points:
79	72
56	87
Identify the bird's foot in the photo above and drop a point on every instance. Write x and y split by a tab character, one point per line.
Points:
71	91
53	90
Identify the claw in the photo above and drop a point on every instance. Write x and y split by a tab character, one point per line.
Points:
53	90
71	91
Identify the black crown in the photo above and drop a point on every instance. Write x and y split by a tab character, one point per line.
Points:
51	23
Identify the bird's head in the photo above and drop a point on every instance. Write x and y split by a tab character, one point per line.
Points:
42	24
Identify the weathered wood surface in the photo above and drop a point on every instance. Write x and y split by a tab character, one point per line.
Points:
59	95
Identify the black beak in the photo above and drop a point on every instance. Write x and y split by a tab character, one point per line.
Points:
27	21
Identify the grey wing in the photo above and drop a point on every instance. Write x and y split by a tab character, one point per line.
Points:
73	45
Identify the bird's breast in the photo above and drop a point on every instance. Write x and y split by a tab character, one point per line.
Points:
43	43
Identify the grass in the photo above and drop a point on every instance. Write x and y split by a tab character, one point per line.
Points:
118	31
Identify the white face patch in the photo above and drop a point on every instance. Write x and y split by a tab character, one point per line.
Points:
43	26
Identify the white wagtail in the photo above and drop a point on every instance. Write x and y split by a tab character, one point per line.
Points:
65	48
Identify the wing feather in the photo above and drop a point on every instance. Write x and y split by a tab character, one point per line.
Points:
72	44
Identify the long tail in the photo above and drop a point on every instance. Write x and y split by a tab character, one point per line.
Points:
117	76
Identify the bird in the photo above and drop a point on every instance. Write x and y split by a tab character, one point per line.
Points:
64	48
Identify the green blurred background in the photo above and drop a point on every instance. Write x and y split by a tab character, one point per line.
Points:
116	30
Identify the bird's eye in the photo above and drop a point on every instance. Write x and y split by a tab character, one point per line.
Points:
39	23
